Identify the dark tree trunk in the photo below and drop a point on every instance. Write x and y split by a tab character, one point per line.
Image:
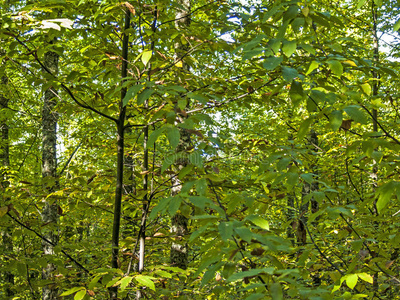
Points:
120	158
5	161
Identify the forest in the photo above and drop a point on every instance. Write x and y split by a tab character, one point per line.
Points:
210	149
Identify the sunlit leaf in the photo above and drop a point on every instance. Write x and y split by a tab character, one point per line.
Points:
146	56
80	295
146	281
351	280
258	221
366	277
72	290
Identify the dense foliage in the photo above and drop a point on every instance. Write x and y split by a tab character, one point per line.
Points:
259	137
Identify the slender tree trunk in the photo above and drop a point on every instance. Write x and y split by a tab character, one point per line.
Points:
375	90
120	158
5	161
179	223
307	189
49	174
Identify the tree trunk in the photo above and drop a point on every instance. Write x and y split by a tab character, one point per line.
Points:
49	174
307	189
5	161
120	158
179	223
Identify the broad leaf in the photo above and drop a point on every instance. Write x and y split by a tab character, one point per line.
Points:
146	281
146	56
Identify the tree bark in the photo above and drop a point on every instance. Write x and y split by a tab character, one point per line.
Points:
120	158
5	161
49	174
179	223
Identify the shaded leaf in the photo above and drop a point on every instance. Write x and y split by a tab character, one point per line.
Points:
335	119
143	96
272	62
249	273
336	67
173	136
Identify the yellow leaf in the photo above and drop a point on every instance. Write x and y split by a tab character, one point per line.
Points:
179	64
350	62
366	88
305	11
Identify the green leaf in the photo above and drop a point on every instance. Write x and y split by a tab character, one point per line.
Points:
385	194
174	205
291	13
304	128
257	296
272	62
154	136
196	159
249	273
360	3
289	47
94	281
225	229
163	274
177	88
310	49
336	119
112	282
276	291
308	177
73	290
146	56
289	74
355	112
125	281
199	201
201	98
366	277
336	67
146	281
79	295
258	221
173	136
131	93
314	64
244	233
296	91
396	26
351	280
201	186
21	268
160	206
3	211
283	163
143	96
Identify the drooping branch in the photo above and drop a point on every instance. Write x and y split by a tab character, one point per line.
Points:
78	264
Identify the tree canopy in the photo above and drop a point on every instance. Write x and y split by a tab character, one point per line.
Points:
199	149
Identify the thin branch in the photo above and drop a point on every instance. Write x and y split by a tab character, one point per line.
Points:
51	243
66	89
70	158
380	125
